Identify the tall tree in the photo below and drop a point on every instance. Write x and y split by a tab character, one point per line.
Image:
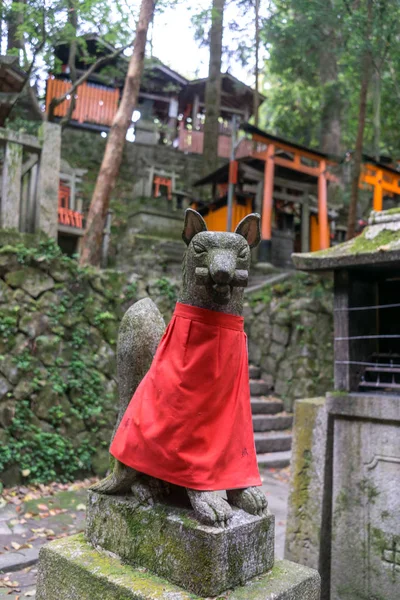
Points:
213	89
35	27
330	137
256	100
357	157
91	244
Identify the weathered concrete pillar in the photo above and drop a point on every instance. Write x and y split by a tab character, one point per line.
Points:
309	504
11	186
49	176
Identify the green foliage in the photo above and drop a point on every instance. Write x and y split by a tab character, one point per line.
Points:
47	456
313	70
166	289
46	251
131	290
8	322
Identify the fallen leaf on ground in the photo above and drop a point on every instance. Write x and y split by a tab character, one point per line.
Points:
15	545
81	507
43	507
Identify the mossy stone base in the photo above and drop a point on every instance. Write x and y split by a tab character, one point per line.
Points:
171	543
70	569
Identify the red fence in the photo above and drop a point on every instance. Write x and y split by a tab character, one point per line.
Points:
94	103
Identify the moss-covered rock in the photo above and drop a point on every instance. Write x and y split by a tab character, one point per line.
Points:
32	280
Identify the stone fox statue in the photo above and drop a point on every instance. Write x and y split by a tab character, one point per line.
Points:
185	414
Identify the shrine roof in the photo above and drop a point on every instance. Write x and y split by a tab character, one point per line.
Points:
378	244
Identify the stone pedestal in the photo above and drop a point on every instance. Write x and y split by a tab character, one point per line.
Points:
169	542
71	569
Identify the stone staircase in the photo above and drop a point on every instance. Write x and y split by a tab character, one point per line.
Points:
271	424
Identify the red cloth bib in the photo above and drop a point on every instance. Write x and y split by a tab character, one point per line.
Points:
189	421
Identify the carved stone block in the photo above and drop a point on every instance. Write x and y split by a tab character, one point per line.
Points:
171	543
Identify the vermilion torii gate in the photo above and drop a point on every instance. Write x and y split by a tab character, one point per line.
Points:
276	151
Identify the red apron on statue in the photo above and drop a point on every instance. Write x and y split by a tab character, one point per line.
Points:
189	421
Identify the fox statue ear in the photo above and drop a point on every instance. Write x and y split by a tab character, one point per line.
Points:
249	228
194	223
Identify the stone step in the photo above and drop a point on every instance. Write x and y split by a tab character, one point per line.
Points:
274	460
272	441
266	406
272	422
258	387
254	372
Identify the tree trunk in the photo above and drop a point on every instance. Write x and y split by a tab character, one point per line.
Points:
73	21
14	20
357	157
91	243
256	70
331	108
376	100
213	90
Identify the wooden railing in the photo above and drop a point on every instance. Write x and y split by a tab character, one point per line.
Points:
94	103
192	141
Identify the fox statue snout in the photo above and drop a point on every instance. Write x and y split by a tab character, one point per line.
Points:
217	261
221	275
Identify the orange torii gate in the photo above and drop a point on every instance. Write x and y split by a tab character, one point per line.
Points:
276	151
383	179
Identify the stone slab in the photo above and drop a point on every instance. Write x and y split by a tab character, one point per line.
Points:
70	569
364	406
171	543
366	509
308	493
14	561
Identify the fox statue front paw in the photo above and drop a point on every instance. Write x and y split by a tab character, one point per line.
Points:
210	508
252	500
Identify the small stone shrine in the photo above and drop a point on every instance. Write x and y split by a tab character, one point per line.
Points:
151	538
344	503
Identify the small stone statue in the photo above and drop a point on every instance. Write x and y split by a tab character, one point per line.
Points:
185	414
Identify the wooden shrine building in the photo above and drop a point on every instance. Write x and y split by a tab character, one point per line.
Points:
384	182
299	163
12	81
294	216
171	109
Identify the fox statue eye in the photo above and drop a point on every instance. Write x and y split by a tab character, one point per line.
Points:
199	248
243	253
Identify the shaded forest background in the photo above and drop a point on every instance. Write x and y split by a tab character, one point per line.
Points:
329	71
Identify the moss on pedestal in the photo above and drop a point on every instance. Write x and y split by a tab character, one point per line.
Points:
71	568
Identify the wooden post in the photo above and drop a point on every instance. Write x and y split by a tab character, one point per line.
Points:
195	110
72	199
378	195
266	217
341	330
49	180
106	239
324	241
305	225
11	186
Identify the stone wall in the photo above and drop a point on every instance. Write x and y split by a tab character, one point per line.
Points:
290	331
58	331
